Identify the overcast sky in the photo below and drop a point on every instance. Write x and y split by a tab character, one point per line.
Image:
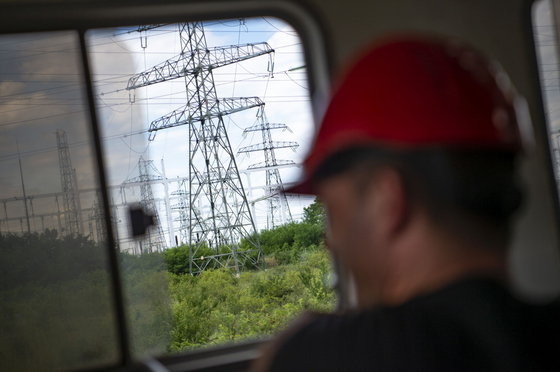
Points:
41	90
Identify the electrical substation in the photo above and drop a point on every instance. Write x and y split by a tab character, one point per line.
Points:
211	206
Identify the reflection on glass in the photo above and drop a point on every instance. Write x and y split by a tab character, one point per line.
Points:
203	124
544	32
56	298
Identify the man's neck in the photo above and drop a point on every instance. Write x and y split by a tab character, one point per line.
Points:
426	260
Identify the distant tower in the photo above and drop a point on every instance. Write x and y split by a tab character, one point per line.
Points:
219	214
72	213
279	209
183	208
98	215
90	226
154	240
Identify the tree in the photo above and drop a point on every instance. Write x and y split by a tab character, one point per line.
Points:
314	214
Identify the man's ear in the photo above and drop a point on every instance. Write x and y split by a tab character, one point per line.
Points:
392	205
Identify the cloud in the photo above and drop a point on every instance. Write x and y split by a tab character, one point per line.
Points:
8	88
41	90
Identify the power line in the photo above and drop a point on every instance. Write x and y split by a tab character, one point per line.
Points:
72	145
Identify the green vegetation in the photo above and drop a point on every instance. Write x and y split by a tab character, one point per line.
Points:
47	258
217	307
56	309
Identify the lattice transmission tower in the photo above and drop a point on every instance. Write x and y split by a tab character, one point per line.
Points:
219	215
153	240
182	207
70	201
279	208
98	216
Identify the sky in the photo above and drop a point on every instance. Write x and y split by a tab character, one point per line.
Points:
117	54
42	90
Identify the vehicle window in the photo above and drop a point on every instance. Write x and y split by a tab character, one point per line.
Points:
57	309
546	42
203	125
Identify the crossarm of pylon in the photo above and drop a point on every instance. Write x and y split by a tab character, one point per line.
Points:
263	164
142	179
259	127
192	113
179	206
182	64
264	197
269	146
151	27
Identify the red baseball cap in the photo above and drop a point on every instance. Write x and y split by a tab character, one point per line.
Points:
410	92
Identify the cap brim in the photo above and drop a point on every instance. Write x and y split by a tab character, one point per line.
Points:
305	187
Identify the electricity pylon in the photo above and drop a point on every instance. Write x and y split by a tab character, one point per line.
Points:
277	201
153	241
70	201
98	216
219	215
182	207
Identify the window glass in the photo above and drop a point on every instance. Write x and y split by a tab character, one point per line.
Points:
203	125
544	33
56	298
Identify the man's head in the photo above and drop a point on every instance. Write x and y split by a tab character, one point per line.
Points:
420	211
416	152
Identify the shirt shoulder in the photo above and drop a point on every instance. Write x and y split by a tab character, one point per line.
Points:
470	325
354	342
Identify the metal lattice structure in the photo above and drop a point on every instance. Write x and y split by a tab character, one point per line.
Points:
68	182
153	240
211	108
279	208
182	208
218	211
185	64
98	216
262	164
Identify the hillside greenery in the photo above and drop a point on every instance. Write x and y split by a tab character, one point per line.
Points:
58	288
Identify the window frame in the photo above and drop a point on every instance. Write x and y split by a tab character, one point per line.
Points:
541	129
81	16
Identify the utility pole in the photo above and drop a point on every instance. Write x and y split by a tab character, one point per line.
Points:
219	215
279	209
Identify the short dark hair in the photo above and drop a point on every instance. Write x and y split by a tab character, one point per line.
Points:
472	193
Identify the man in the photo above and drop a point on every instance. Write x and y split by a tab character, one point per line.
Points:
415	164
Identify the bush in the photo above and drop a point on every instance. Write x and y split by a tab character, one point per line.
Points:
271	285
47	258
177	258
167	308
217	307
64	325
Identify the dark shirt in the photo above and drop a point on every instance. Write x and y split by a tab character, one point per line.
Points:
472	325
